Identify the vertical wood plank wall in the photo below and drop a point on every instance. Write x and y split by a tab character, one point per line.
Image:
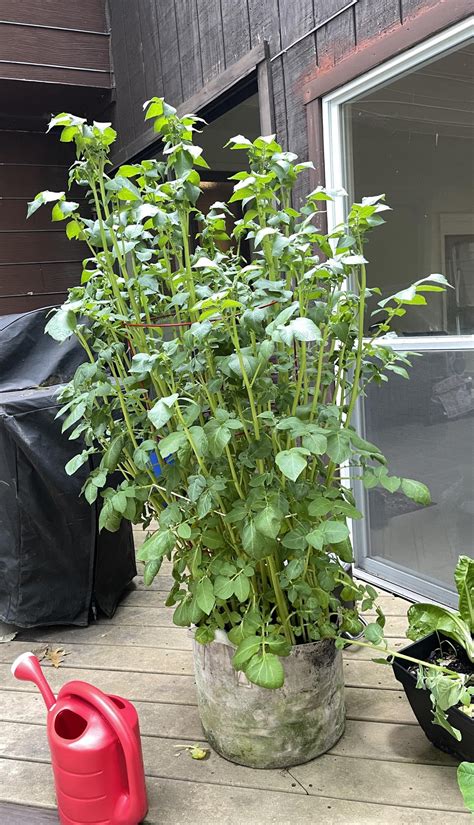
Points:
54	56
37	262
174	47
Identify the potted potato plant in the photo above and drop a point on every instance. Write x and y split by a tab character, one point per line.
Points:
223	389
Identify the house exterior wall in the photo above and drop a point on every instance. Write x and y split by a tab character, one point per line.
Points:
53	56
173	48
55	42
56	55
37	262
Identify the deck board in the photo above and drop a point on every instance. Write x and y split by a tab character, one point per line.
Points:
383	770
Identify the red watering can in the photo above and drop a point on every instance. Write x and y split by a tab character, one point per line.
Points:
95	751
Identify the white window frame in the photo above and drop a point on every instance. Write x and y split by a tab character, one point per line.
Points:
336	147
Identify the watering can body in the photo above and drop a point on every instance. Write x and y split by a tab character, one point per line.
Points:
96	755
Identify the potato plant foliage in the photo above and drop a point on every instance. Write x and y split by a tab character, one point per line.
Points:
241	375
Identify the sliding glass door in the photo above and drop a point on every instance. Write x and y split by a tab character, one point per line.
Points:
407	129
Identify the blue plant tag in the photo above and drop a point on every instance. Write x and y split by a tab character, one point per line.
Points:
155	463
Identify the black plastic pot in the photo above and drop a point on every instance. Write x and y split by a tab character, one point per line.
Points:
421	704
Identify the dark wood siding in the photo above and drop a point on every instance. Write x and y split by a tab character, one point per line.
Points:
181	45
55	42
37	262
53	56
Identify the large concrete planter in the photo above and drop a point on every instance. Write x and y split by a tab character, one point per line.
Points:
271	728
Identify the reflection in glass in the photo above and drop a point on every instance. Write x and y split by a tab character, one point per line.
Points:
425	427
414	140
459	257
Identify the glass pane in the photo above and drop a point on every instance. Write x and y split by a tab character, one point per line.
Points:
425	428
414	140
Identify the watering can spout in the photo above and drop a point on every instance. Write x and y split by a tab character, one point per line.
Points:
27	668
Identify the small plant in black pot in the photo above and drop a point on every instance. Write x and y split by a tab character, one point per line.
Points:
443	702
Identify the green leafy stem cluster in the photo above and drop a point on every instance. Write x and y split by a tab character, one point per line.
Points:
448	689
238	372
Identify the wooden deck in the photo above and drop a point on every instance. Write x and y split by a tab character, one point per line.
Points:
382	771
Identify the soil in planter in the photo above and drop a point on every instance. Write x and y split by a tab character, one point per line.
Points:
451	655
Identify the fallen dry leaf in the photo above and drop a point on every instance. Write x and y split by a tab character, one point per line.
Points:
55	655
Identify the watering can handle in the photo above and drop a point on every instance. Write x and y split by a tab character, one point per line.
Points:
101	702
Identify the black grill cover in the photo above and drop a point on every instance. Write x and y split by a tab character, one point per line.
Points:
54	564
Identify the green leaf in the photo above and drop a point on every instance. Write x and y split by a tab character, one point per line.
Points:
268	521
294	569
416	490
440	718
157	545
328	532
77	461
246	649
263	233
369	479
249	364
204	504
109	518
170	516
182	614
447	692
162	411
223	587
374	633
339	448
242	587
292	462
73	229
390	483
62	324
424	619
304	329
90	492
343	549
196	485
265	670
111	457
218	436
76	413
254	543
120	502
320	507
152	568
282	318
465	776
142	363
42	198
316	443
278	645
363	446
294	540
205	595
184	531
204	634
464	578
199	439
171	443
